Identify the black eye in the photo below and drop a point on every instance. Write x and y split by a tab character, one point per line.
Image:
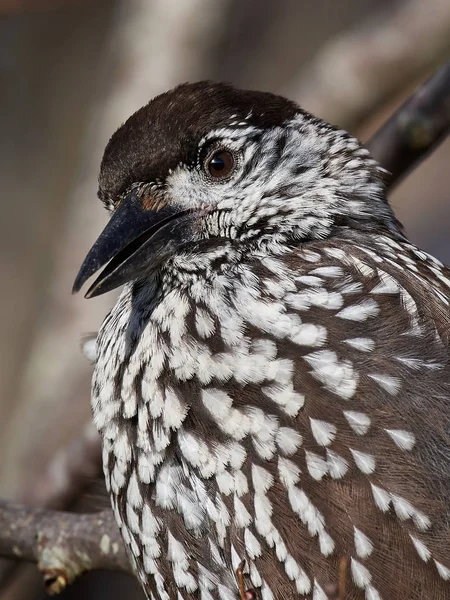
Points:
220	164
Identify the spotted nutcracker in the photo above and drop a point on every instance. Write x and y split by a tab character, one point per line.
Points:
272	385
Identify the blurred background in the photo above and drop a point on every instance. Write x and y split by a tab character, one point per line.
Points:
71	72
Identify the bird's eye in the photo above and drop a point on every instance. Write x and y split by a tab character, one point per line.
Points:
220	164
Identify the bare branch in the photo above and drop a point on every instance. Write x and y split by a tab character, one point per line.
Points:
415	129
359	71
64	545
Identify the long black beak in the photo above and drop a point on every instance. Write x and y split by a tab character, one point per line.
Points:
138	237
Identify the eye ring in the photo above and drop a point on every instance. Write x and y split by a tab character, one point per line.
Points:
220	164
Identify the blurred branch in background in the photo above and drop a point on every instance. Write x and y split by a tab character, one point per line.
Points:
360	70
64	545
415	129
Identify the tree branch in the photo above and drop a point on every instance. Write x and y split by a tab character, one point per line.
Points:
415	129
64	545
358	71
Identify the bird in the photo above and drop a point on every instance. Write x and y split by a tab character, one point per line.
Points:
272	386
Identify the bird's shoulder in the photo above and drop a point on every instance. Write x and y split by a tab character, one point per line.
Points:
357	278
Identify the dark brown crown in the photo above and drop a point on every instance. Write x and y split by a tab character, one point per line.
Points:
166	131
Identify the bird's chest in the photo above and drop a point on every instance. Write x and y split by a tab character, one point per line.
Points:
175	402
159	368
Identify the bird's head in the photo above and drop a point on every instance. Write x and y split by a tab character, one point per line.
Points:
207	164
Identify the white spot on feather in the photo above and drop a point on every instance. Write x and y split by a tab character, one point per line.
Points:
252	546
174	411
288	471
335	253
215	554
386	285
405	510
237	454
361	266
150	525
421	521
262	479
285	396
363	544
217	402
204	323
359	312
308	513
225	593
336	375
421	549
365	462
308	334
329	271
372	593
325	299
443	571
326	543
266	592
289	440
405	440
323	432
381	497
337	465
240	483
225	482
358	421
235	558
360	574
310	280
318	593
387	382
360	343
166	484
176	552
134	496
243	517
316	465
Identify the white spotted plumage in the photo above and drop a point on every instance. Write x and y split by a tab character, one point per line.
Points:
263	393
